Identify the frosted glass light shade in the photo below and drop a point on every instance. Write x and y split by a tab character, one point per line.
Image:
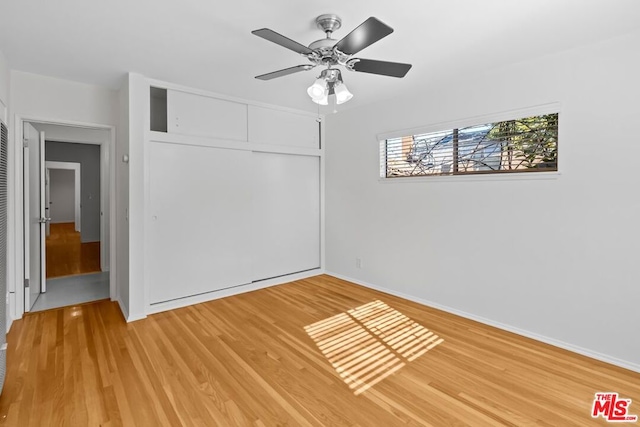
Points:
318	89
342	93
322	101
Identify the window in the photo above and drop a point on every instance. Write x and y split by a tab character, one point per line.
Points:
528	144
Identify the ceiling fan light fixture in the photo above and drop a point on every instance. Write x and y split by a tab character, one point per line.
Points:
332	54
342	93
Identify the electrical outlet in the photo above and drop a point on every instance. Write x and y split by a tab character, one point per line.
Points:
358	263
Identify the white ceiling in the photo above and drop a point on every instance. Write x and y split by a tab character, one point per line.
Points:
208	44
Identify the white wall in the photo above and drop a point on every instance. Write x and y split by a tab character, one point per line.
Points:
122	199
45	98
62	195
4	106
4	83
88	156
39	96
138	107
554	258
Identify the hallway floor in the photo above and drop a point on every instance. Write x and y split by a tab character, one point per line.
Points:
73	270
65	291
67	255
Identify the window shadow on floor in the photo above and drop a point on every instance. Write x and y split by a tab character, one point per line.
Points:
370	342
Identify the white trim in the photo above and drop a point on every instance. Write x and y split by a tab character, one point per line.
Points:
16	257
72	140
517	176
201	141
551	341
223	293
74	166
536	110
125	313
323	187
104	205
26	231
110	162
11	300
123	308
139	125
43	227
176	87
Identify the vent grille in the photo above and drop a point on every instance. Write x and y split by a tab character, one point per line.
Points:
3	250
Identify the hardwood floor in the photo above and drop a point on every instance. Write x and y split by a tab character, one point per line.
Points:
265	358
67	255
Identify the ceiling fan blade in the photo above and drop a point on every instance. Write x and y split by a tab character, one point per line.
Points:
369	32
393	69
284	72
283	41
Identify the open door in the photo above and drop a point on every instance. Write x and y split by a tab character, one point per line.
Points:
34	215
47	201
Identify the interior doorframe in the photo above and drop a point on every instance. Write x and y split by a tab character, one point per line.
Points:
107	202
75	167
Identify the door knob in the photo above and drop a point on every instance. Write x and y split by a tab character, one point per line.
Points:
44	220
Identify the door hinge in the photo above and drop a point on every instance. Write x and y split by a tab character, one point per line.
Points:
26	283
25	142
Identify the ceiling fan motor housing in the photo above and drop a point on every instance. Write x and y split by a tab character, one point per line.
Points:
323	52
323	48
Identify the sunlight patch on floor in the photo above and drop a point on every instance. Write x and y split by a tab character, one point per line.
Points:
368	343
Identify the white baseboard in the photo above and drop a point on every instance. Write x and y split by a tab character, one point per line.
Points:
123	309
11	302
9	321
126	314
551	341
223	293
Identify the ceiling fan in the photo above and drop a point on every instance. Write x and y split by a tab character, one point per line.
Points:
330	52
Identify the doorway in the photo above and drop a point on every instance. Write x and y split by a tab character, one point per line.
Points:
66	213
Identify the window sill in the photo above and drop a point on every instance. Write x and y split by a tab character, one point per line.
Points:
530	176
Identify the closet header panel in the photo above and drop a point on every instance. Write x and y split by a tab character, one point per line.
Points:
197	115
278	127
182	113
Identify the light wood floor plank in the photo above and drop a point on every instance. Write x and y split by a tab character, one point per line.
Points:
66	255
287	355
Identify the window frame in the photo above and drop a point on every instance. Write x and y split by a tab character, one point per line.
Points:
508	115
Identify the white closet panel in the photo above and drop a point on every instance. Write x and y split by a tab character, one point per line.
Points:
286	214
269	126
197	115
200	213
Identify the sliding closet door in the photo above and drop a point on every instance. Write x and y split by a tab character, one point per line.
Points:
200	216
286	214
